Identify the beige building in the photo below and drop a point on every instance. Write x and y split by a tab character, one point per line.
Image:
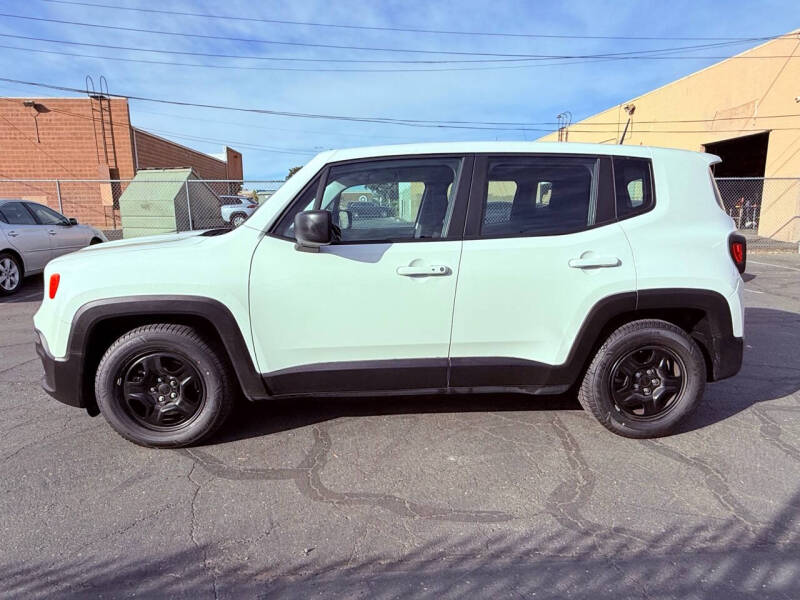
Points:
746	109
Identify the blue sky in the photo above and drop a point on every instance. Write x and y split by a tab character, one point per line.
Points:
272	144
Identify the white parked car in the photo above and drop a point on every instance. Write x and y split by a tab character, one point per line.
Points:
236	209
31	234
612	270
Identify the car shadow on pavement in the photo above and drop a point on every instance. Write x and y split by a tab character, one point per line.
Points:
771	370
716	558
32	288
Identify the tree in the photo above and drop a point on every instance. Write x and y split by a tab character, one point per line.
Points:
292	171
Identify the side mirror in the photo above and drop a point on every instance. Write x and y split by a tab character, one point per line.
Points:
314	228
73	221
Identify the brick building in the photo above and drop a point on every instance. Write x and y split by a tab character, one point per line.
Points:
69	139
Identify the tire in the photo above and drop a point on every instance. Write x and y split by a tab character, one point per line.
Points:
619	387
11	274
237	219
138	405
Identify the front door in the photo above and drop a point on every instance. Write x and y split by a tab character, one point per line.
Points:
374	310
64	237
29	238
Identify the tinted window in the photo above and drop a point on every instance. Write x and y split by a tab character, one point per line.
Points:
634	186
15	213
539	195
387	200
46	216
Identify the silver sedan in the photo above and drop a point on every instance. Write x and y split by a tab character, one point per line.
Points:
32	234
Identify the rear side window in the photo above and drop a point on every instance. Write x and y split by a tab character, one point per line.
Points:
633	181
539	195
15	213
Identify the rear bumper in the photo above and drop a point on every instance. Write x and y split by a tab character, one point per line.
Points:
62	378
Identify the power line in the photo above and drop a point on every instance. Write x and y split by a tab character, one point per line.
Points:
376	48
307	70
395	29
381	120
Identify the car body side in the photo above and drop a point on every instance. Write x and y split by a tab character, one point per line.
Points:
205	281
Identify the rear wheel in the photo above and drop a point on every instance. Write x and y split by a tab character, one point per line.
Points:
163	386
10	273
645	379
238	218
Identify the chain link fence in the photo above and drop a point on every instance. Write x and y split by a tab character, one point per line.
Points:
765	210
154	202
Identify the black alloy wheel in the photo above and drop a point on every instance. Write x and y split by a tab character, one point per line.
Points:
161	390
646	383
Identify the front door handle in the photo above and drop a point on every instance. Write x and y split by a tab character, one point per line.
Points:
12	234
52	232
594	262
429	270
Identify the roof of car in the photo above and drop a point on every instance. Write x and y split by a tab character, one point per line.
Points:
506	147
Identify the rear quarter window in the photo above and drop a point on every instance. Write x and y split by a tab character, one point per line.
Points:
633	183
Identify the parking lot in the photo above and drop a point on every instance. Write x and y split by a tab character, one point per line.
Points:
490	496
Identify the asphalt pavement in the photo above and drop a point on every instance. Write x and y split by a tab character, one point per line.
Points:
462	497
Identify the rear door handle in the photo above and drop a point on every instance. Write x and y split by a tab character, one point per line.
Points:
52	232
594	262
12	234
429	270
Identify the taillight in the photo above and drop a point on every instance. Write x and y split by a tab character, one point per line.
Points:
252	206
737	245
55	279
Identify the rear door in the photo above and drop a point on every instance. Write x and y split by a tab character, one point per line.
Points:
29	238
542	249
64	237
374	310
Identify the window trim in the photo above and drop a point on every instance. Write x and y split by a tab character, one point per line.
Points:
462	191
605	198
652	206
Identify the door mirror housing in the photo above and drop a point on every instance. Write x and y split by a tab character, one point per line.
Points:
314	228
72	221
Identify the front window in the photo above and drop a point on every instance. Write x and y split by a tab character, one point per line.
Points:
47	216
385	200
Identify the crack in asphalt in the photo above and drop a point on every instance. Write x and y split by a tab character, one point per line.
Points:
566	502
307	478
193	532
715	481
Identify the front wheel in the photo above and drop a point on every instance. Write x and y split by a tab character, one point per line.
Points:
645	379
163	386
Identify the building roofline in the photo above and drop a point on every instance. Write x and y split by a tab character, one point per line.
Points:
174	143
795	32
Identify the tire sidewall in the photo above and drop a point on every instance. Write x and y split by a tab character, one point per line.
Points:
694	381
113	411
